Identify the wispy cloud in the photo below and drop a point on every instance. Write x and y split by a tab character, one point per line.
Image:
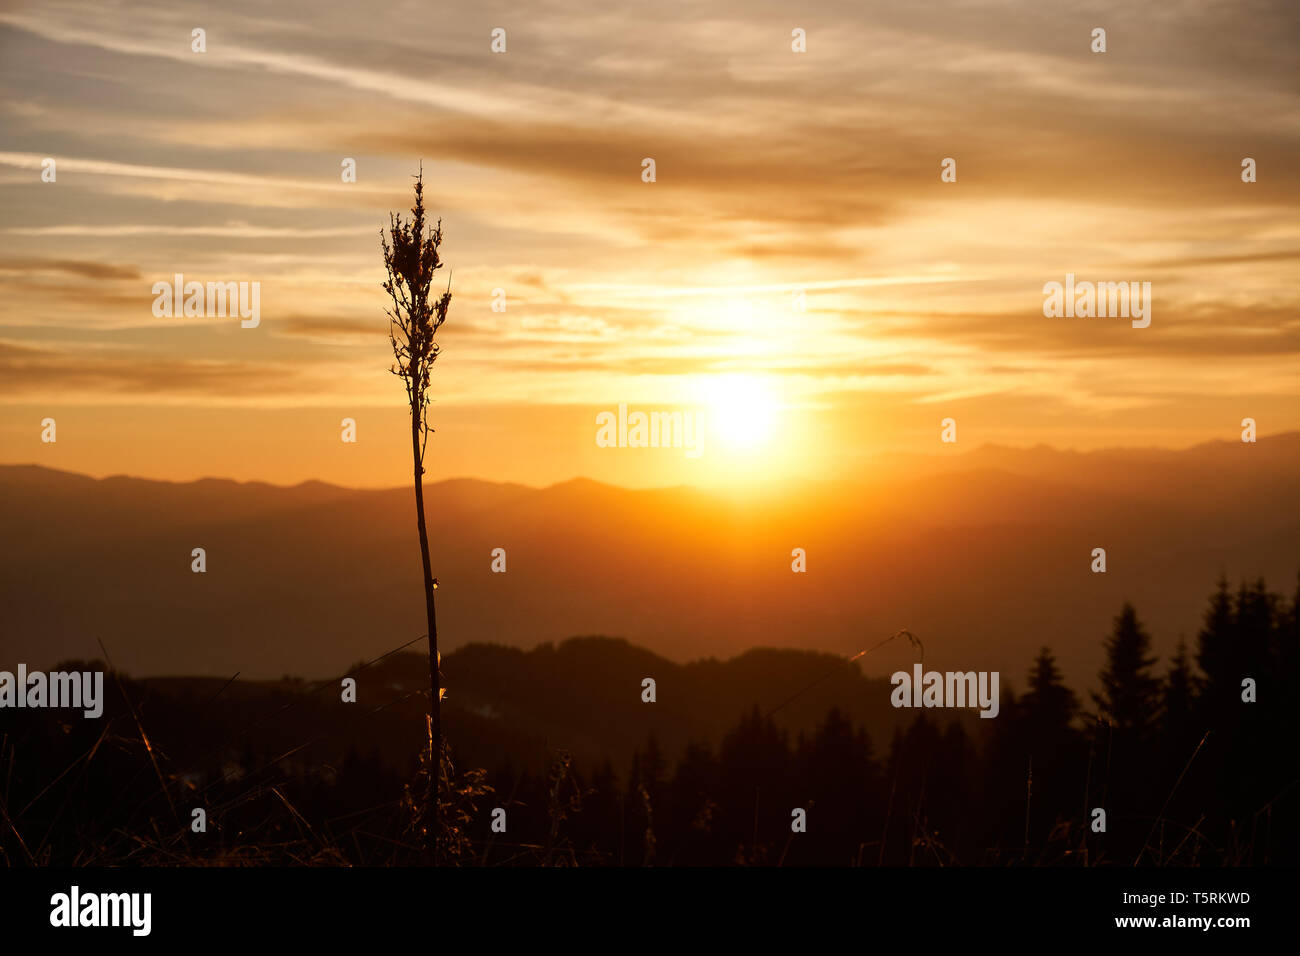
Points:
777	173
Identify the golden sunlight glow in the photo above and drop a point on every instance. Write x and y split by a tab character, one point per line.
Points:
739	412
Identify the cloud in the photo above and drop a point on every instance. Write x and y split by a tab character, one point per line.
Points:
62	374
82	269
775	172
97	167
332	328
231	231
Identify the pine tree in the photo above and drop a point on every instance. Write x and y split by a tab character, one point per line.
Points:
1288	651
1216	648
1052	750
1130	692
1257	623
1049	706
1179	703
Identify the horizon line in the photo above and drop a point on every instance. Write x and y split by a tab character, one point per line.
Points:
937	457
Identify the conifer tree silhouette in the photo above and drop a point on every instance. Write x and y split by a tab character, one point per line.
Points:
1178	703
1050	706
1215	655
1130	692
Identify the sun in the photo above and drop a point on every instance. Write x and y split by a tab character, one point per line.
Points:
739	412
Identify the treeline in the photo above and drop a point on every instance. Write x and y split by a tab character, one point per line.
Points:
1195	763
1189	762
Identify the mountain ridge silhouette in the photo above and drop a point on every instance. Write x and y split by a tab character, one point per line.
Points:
986	557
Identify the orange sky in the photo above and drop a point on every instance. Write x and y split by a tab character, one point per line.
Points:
776	172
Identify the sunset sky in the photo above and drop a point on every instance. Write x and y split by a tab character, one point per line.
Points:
776	172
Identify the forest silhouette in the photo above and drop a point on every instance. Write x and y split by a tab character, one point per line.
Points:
1187	772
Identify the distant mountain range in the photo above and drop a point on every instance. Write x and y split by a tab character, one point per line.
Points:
985	556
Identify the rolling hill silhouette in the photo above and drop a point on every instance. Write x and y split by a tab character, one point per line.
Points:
984	555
